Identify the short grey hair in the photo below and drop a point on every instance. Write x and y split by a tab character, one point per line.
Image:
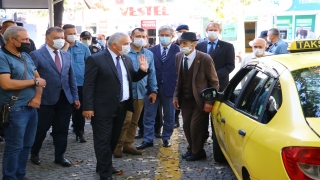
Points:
116	37
53	29
214	24
274	31
12	31
165	28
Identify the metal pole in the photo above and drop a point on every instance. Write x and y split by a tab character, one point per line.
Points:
51	19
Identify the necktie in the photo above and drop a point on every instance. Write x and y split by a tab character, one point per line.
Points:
119	72
185	64
164	54
57	61
211	50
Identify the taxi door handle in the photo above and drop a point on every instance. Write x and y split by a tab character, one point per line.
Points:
223	120
242	132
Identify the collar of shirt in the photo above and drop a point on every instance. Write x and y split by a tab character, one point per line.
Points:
53	55
168	47
134	52
215	41
114	56
191	56
51	50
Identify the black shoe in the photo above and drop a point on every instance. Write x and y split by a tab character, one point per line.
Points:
80	138
193	157
166	143
35	160
187	154
109	178
117	171
158	135
144	145
139	136
63	162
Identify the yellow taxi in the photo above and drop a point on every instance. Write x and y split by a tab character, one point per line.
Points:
266	122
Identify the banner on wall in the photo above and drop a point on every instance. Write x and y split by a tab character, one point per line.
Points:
303	5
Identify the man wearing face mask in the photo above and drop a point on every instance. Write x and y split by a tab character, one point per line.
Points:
258	50
102	41
164	55
179	30
79	53
195	72
147	85
107	96
95	46
277	46
86	38
58	98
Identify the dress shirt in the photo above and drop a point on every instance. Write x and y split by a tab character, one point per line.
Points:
149	82
53	55
279	47
168	47
251	57
191	57
214	45
125	81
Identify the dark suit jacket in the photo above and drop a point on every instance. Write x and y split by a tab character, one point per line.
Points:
101	87
48	70
223	58
204	76
165	71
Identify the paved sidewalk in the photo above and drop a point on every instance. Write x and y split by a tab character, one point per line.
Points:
156	163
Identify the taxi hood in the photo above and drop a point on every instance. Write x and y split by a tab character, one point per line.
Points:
314	124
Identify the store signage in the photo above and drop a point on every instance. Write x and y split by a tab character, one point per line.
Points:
144	11
148	24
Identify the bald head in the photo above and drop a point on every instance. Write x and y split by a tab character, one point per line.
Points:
259	43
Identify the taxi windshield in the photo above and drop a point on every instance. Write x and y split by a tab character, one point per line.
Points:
308	85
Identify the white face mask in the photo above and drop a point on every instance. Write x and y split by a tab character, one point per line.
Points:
86	42
213	35
58	43
185	50
71	38
139	42
125	49
258	52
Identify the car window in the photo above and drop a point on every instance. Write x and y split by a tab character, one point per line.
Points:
273	103
255	94
308	85
235	86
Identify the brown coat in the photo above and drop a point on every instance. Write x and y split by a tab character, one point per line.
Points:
204	76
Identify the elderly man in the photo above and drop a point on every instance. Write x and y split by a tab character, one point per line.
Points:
195	72
107	107
277	46
139	89
79	53
59	97
164	55
18	77
259	46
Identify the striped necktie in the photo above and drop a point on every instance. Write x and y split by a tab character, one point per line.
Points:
164	54
119	72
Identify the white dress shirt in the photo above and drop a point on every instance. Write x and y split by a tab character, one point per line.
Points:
53	55
190	57
167	50
125	81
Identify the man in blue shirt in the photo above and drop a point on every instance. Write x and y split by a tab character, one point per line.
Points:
147	85
277	46
20	134
79	53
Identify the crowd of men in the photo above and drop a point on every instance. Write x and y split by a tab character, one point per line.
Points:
117	83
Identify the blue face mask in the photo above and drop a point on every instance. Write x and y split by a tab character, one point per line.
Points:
101	42
165	41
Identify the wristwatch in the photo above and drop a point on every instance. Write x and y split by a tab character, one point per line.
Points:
36	82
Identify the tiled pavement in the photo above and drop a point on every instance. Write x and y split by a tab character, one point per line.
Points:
156	163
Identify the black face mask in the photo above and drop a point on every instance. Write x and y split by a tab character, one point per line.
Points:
24	47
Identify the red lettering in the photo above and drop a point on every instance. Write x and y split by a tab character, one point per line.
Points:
124	12
164	11
156	11
149	10
141	11
144	11
132	11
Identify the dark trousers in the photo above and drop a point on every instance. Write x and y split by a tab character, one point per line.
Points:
77	119
106	132
158	122
176	116
194	125
58	116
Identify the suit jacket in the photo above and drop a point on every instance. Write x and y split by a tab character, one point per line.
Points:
165	71
55	81
204	76
223	58
101	87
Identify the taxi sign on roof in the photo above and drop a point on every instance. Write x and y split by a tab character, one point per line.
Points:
305	45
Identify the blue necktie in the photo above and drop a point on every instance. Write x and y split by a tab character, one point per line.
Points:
164	54
211	50
120	77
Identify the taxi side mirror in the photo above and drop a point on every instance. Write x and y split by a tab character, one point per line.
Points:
209	94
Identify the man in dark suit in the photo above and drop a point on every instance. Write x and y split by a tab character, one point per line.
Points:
220	51
58	97
107	95
164	55
195	72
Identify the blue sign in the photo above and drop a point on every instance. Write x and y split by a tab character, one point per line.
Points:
303	5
